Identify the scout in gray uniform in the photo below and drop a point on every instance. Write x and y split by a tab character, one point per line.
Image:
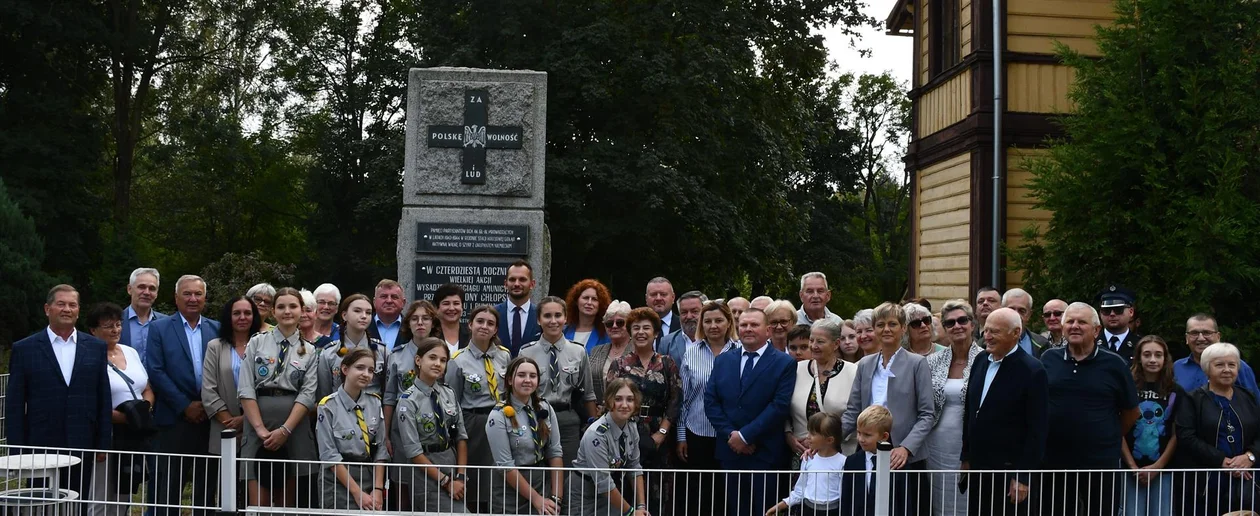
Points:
608	457
350	432
521	434
399	376
277	390
564	369
356	314
429	429
476	375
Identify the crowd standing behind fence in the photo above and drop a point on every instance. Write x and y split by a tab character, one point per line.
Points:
1016	423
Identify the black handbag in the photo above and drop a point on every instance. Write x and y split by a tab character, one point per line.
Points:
132	436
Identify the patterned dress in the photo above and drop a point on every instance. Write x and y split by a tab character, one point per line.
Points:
661	386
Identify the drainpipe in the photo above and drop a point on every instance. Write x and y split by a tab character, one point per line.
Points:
998	80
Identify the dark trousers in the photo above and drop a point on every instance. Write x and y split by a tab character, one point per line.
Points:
703	490
174	472
749	493
911	490
1081	493
986	496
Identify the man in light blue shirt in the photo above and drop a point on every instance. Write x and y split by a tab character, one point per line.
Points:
1201	332
143	288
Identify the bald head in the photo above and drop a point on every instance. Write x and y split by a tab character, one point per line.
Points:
1001	332
737	306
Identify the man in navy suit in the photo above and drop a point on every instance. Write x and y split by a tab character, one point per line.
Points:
749	420
518	317
177	347
142	286
1004	426
387	303
58	391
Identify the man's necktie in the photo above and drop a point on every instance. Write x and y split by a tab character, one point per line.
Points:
367	441
555	367
533	427
491	379
516	329
439	416
1114	343
870	479
745	378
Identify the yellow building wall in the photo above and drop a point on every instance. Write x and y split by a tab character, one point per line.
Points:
942	236
1038	88
1032	26
945	105
1020	212
922	34
965	21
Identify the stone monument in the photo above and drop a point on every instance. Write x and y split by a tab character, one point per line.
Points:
473	182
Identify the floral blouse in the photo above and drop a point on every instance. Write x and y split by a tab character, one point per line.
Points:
659	382
813	404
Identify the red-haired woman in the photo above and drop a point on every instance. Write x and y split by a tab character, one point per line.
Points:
585	302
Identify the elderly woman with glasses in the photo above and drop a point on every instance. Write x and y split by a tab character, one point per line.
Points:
617	346
920	337
263	295
781	317
1218	427
951	370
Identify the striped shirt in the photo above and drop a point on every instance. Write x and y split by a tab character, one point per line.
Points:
696	368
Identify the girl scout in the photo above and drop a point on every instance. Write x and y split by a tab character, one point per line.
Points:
400	375
350	429
565	372
475	374
356	315
277	390
430	430
611	443
520	432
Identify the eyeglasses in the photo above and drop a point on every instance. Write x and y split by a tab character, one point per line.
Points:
1114	310
781	323
615	323
1201	334
326	303
1052	313
262	301
918	323
950	323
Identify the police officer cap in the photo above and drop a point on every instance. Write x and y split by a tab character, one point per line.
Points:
1115	295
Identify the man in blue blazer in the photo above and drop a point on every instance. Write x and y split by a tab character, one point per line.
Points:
176	349
518	317
58	393
142	286
748	420
1004	426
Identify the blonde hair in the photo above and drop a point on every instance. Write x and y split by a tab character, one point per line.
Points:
877	418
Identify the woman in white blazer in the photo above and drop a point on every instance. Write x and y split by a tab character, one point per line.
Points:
822	385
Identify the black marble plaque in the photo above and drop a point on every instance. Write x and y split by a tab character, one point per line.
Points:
482	281
480	239
475	136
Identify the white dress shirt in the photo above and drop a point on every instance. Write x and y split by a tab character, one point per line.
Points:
879	385
64	350
743	359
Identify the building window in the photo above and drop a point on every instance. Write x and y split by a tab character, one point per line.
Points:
945	32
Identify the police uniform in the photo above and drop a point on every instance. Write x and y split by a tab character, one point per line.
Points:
350	432
563	369
330	357
278	373
1115	296
519	445
471	375
608	457
428	422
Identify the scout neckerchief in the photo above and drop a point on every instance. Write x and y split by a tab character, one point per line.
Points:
555	366
491	378
533	427
439	415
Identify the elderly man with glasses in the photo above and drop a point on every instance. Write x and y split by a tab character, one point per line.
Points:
1052	315
1201	332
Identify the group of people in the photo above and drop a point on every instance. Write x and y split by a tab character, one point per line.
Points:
584	405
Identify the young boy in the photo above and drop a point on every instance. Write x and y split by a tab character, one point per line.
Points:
858	497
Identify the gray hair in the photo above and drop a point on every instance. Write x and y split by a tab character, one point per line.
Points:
661	279
829	325
135	275
1093	312
958	304
811	275
189	277
917	311
692	294
616	308
864	317
308	299
1215	351
759	298
780	305
329	288
261	288
1017	292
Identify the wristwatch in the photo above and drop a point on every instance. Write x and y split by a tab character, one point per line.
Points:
461	477
663	431
1251	457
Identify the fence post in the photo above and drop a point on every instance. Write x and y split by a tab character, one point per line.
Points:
883	476
227	472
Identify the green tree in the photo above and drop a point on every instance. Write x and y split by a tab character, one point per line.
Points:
1155	185
22	282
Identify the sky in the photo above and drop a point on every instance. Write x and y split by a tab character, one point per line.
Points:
888	53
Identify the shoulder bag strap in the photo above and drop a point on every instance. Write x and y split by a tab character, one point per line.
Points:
125	379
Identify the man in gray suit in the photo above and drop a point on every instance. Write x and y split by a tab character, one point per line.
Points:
901	382
675	344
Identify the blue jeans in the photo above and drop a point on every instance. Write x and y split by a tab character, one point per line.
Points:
1152	499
